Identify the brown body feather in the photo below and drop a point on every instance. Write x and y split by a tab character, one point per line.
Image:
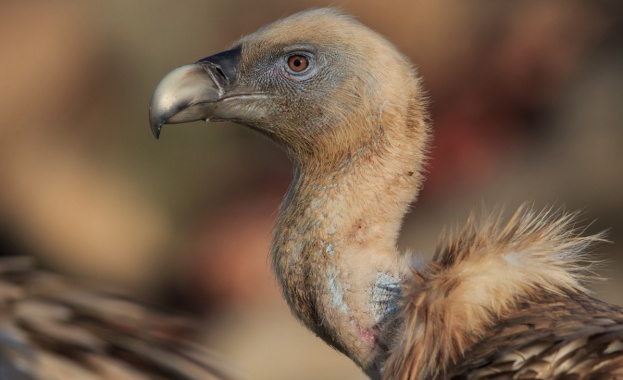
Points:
567	336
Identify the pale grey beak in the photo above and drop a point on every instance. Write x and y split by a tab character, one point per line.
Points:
185	94
190	92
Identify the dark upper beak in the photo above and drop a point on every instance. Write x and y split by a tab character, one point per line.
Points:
191	92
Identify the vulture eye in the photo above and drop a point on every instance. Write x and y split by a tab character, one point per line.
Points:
298	63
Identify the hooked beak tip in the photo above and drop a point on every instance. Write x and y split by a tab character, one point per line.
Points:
156	133
156	128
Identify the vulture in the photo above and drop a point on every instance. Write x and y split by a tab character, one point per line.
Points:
501	299
54	329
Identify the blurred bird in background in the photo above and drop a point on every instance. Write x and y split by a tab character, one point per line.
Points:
525	106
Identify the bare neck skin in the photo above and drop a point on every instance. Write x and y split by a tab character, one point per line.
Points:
335	243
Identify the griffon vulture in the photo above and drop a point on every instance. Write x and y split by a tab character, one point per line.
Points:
501	300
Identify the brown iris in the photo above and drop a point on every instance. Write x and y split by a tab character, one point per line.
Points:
298	63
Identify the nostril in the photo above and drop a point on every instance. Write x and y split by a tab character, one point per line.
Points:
220	71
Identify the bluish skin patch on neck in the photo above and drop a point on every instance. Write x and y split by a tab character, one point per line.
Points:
337	293
319	187
330	249
315	203
298	248
385	294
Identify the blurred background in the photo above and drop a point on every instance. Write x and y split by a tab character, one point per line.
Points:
527	103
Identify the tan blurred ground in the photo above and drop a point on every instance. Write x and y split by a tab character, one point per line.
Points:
526	99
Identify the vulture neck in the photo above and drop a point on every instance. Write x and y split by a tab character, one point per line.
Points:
335	252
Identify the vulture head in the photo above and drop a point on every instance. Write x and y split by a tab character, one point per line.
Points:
349	110
317	82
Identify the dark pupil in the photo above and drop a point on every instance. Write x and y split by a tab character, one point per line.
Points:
297	63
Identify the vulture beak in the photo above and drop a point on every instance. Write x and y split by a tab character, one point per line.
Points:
192	92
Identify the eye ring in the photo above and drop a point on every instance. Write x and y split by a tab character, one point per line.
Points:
297	63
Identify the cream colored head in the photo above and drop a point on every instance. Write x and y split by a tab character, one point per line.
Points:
348	76
352	73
